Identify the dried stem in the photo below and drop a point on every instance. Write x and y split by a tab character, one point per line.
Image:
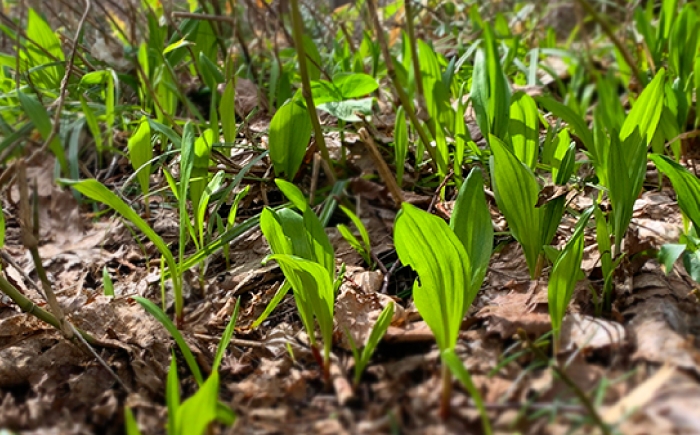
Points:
391	71
298	32
382	167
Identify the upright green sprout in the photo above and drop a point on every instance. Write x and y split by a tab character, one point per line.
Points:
450	262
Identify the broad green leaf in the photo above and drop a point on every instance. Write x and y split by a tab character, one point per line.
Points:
426	244
293	194
626	172
686	185
141	153
516	191
668	254
691	262
400	144
523	129
227	111
212	187
314	287
456	366
200	166
346	110
471	223
40	33
195	414
563	145
276	299
490	92
354	85
436	94
564	275
290	132
646	112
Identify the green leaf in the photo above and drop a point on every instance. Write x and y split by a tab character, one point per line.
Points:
290	132
574	121
426	244
490	92
354	85
226	337
523	129
668	254
565	273
346	110
227	110
686	185
276	299
626	172
107	283
141	153
400	144
378	330
172	392
436	93
646	112
200	166
313	288
293	194
40	33
91	120
516	191
313	61
195	414
42	121
471	223
132	428
96	191
156	312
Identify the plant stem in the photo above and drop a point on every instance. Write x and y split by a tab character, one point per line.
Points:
298	33
391	71
446	392
29	307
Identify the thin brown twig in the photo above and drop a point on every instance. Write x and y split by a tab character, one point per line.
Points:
391	71
382	167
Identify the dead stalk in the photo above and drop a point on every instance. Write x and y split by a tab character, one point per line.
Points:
391	71
298	32
30	239
382	167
